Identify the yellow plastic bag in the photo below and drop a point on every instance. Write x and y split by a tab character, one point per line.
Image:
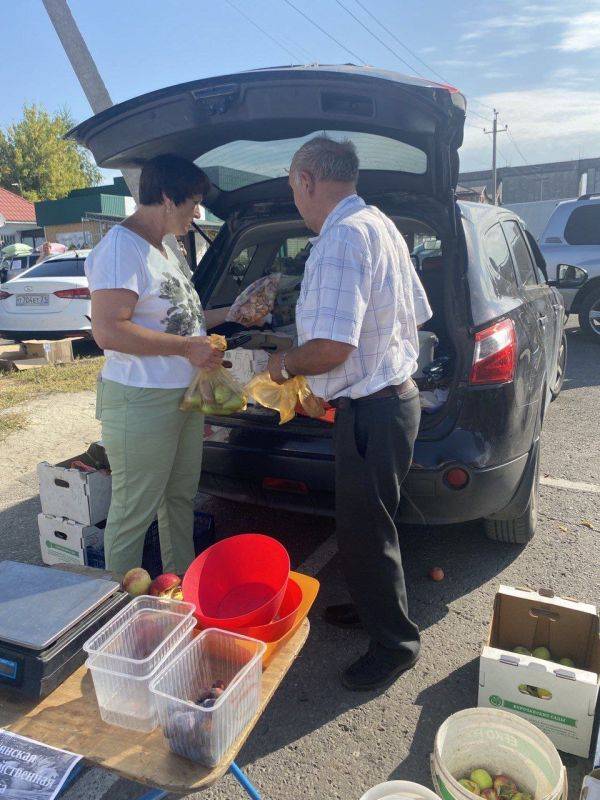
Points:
284	397
215	391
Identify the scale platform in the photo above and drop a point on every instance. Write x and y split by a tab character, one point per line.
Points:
45	617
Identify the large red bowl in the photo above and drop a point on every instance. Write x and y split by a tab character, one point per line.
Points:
238	582
284	620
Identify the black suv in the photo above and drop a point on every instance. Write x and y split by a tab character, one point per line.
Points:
497	323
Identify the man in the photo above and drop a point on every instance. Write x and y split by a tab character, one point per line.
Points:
357	315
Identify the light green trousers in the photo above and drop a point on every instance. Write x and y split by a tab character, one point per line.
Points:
155	454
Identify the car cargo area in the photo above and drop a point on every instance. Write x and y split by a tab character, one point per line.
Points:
283	247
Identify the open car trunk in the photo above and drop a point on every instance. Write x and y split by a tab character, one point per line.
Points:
270	238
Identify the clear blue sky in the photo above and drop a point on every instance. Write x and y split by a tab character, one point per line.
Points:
537	62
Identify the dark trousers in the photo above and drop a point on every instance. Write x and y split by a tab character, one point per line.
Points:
374	441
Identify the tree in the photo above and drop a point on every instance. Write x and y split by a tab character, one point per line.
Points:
35	155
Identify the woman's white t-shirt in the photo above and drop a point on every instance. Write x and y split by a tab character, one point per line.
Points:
167	302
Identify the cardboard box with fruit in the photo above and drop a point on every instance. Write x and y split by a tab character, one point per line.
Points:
541	661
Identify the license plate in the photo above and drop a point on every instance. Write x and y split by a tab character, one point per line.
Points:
33	299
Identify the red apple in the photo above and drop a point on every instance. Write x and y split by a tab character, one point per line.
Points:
164	585
137	581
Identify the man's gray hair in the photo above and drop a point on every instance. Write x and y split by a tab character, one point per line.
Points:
326	160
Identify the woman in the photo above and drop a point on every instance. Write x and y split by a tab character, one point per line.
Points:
147	317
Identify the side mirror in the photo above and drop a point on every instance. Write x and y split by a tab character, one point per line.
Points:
569	277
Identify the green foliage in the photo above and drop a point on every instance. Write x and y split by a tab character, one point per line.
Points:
34	154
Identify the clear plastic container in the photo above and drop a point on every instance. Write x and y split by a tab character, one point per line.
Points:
129	651
205	734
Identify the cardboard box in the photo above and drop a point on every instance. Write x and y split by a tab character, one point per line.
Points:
63	541
82	497
53	351
565	698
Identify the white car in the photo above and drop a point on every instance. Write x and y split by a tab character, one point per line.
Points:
47	301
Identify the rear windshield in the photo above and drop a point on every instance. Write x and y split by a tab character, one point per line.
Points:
67	268
243	162
583	226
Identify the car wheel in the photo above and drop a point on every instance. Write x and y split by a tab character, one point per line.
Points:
589	315
561	364
521	529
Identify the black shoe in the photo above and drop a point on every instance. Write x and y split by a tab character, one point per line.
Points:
377	669
344	615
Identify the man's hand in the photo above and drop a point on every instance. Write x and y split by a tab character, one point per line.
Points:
274	367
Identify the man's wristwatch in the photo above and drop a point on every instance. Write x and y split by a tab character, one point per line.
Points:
284	373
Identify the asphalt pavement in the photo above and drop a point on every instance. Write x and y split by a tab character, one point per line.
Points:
317	741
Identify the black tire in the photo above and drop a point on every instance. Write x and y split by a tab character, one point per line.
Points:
521	529
589	325
561	365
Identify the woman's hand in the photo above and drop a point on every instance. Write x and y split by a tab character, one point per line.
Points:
199	351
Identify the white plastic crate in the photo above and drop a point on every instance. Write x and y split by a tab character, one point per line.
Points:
205	734
82	497
128	652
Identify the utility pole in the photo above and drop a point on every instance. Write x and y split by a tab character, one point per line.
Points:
85	69
495	133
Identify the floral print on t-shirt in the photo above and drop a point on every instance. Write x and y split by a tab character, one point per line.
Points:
185	316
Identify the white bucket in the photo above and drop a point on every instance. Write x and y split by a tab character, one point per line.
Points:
399	790
502	744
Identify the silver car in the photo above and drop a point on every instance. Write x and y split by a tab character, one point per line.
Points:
570	245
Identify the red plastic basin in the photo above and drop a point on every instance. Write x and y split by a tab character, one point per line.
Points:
284	620
238	582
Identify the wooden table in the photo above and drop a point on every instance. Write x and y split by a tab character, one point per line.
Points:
69	719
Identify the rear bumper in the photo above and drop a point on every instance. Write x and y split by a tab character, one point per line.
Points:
15	335
236	475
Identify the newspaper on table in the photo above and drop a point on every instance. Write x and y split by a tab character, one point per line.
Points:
30	769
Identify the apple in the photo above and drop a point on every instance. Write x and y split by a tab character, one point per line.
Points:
522	796
522	651
567	662
489	794
504	787
543	653
164	585
137	581
482	778
470	786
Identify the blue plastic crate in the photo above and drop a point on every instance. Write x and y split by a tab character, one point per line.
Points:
204	536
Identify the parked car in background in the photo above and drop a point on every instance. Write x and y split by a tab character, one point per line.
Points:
498	321
47	301
570	245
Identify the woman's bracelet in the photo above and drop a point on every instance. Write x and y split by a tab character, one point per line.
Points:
186	348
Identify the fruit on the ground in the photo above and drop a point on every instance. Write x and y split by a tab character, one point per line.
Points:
567	662
482	778
489	794
542	652
137	581
436	574
161	586
522	651
470	786
505	787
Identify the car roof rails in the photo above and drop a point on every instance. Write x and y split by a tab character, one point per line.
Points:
589	196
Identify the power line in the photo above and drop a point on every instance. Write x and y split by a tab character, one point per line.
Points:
517	148
477	114
318	27
412	53
379	39
263	31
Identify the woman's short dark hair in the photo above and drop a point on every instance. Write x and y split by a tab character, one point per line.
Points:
172	176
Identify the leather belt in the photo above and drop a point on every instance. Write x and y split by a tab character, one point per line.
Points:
387	391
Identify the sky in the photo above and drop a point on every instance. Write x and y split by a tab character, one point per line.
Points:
536	62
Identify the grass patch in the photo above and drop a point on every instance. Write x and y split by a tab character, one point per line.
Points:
9	423
78	376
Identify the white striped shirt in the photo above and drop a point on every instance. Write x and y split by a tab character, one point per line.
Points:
360	287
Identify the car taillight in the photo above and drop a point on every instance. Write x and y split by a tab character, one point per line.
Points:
74	294
495	355
5	295
284	485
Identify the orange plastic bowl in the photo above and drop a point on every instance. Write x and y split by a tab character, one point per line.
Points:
284	621
238	582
